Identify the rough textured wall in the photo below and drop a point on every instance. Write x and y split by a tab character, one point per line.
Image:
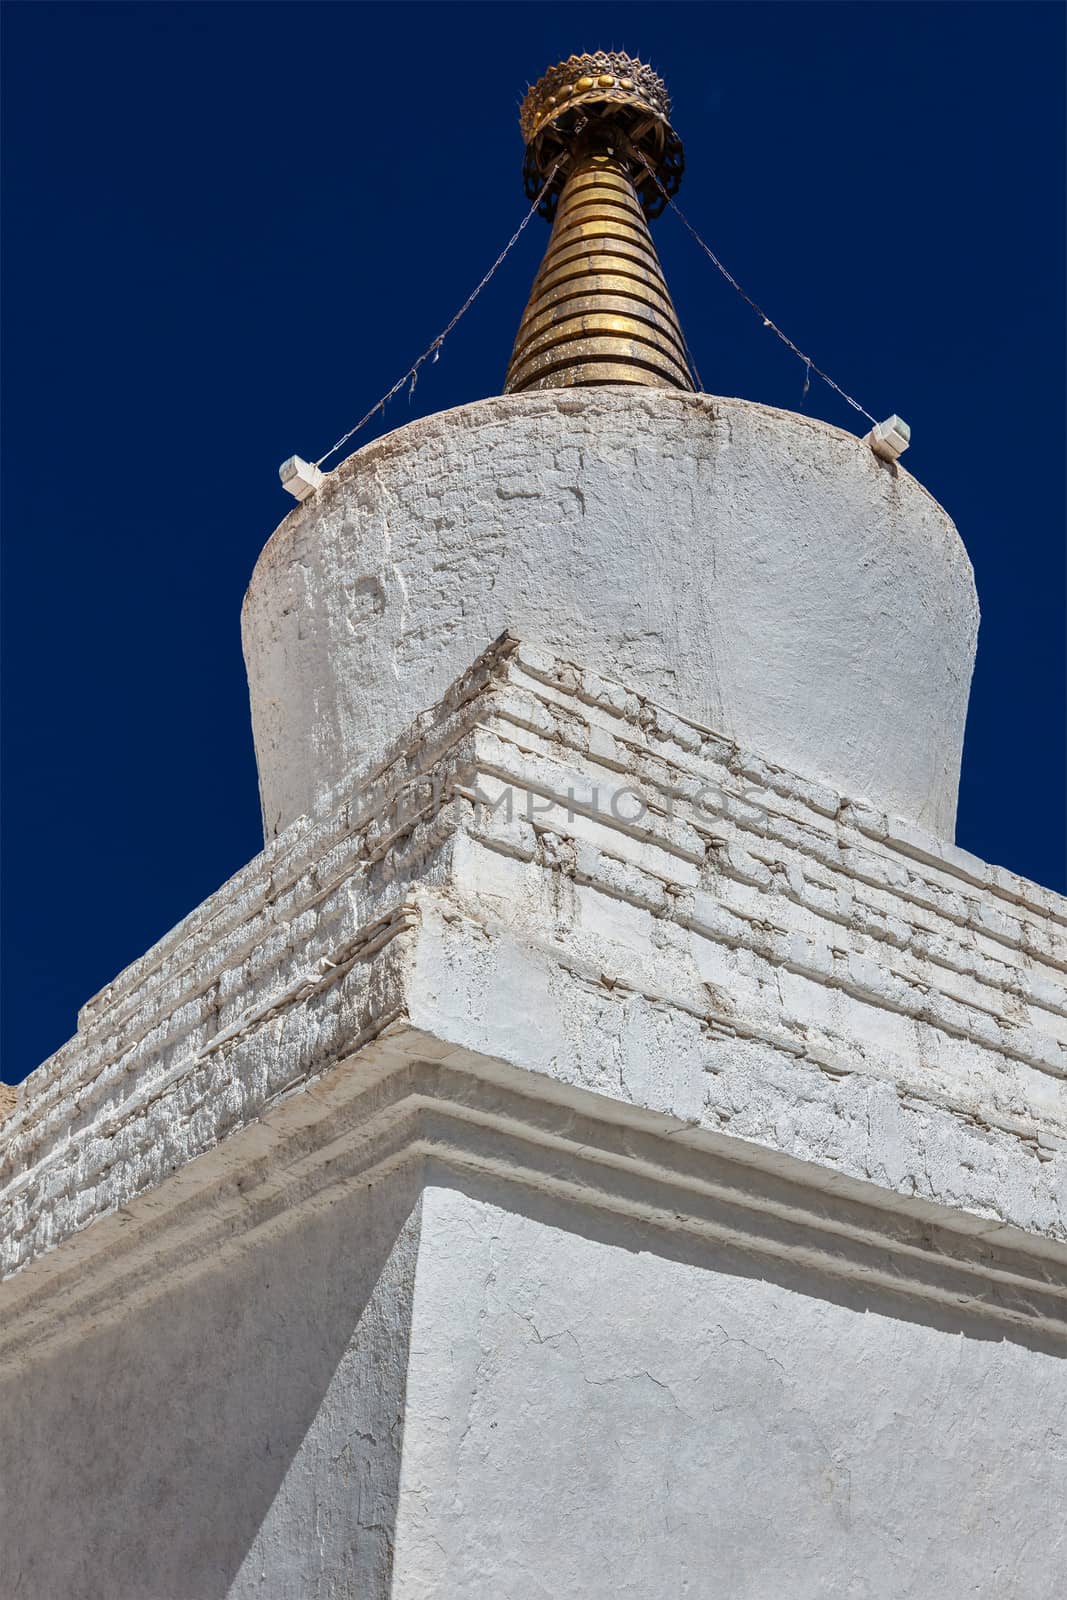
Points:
744	1108
750	953
238	1436
762	573
497	1391
613	1414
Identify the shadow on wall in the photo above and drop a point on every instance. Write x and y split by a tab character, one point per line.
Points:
849	1292
239	1435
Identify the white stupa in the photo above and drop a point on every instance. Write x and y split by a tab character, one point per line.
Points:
611	1142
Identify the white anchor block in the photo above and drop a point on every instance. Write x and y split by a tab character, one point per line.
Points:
889	439
300	477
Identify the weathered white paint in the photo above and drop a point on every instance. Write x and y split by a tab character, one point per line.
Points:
763	573
751	955
668	1179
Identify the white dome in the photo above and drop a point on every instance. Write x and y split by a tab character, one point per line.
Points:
757	571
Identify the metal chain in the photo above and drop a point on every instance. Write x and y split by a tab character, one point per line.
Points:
767	323
434	349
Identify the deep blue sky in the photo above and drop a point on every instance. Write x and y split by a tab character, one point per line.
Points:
229	227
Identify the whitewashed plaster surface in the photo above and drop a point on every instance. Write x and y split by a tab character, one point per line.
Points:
593	1412
762	572
236	1434
666	1182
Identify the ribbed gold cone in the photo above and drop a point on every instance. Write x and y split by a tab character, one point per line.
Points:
599	311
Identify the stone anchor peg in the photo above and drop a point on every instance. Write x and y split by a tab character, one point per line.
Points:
300	477
889	439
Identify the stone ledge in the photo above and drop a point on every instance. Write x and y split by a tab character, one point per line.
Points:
815	967
406	1100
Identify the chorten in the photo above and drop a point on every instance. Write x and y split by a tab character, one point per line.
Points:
611	1141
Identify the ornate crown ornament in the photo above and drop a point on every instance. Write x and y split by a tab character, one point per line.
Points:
607	95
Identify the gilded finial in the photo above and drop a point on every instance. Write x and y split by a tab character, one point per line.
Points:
612	91
598	134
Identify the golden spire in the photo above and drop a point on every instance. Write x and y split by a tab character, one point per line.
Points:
599	311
